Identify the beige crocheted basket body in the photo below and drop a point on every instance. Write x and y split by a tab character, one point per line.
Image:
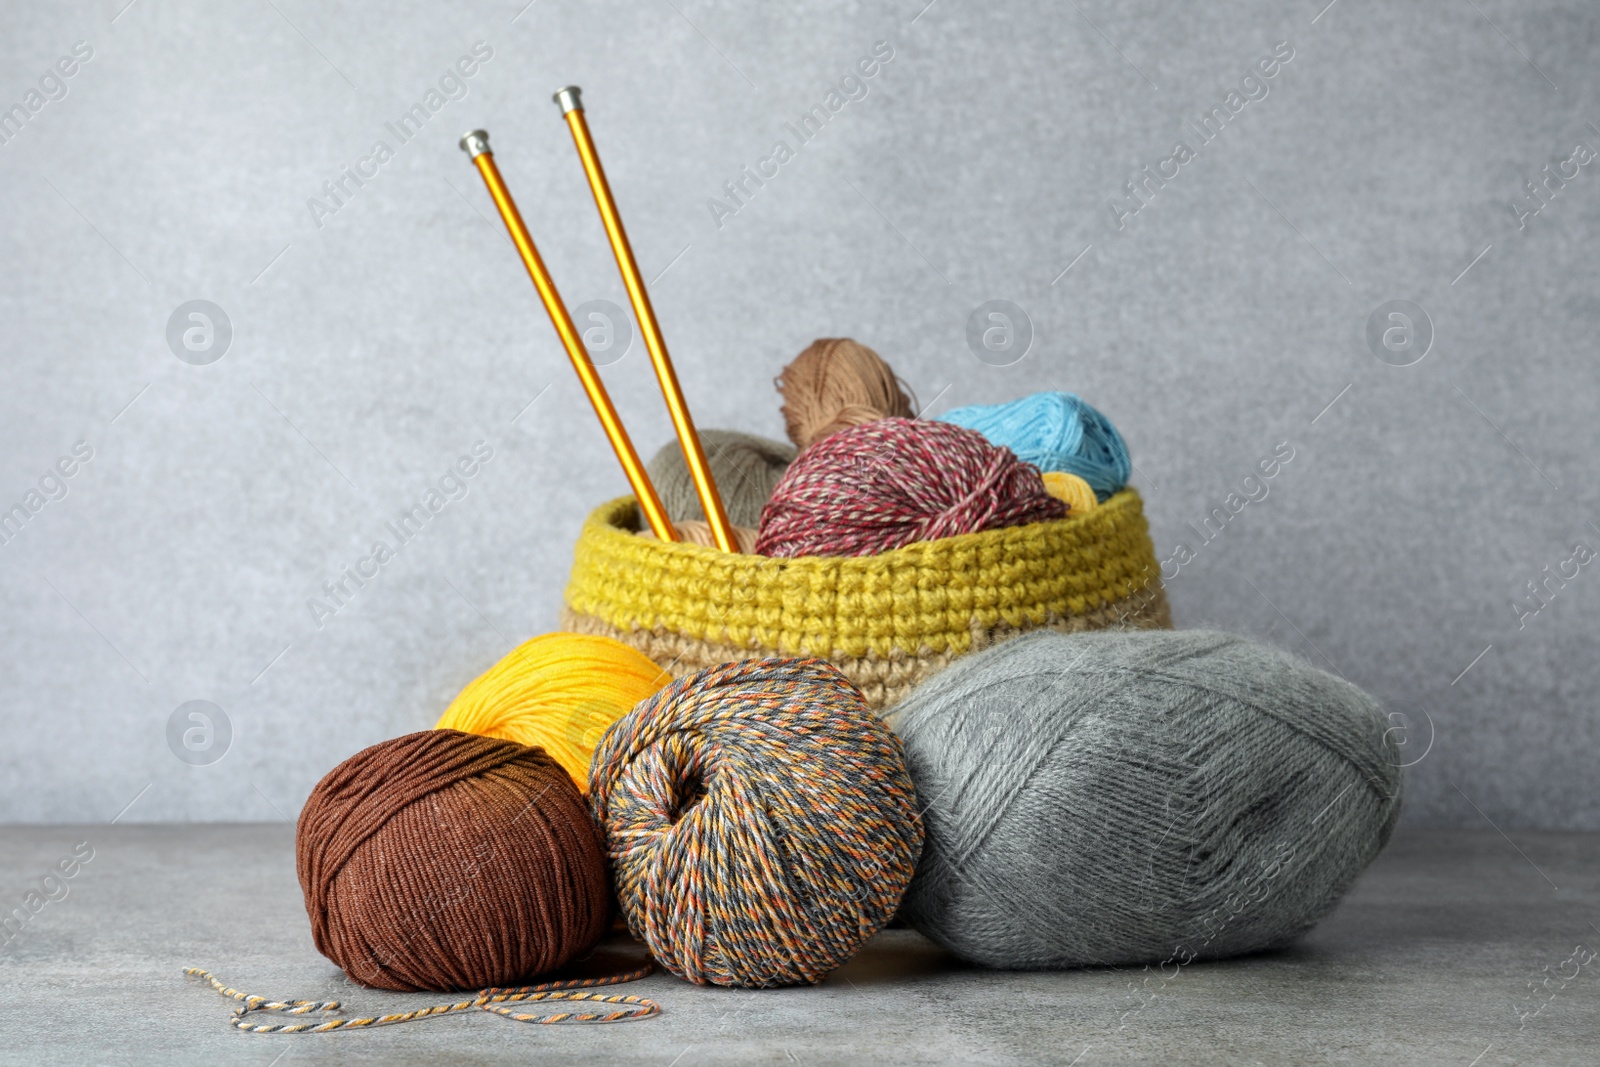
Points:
887	621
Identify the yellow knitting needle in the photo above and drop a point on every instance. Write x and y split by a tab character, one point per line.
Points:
694	455
476	146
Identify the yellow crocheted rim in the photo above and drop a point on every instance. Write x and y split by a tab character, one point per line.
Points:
882	680
929	597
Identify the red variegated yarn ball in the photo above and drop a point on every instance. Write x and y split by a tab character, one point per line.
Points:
886	484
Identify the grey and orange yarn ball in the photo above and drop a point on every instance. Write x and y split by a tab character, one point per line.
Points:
1144	797
442	860
759	820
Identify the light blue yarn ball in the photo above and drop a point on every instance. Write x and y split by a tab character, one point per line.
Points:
1054	432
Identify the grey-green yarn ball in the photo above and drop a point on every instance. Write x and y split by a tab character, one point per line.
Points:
1139	797
745	467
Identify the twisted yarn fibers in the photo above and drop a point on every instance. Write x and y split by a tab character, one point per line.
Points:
837	383
1139	797
558	692
1054	432
888	483
744	466
442	860
759	820
490	1000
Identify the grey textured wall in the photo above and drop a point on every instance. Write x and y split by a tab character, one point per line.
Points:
376	340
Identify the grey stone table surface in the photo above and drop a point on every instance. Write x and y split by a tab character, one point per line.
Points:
1465	948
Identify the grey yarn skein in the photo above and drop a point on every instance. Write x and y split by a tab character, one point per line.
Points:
745	467
1139	797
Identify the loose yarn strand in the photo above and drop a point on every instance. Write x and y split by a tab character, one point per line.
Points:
486	1000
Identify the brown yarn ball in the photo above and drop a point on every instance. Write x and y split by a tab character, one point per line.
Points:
835	384
443	860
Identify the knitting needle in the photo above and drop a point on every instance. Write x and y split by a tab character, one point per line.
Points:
694	455
476	145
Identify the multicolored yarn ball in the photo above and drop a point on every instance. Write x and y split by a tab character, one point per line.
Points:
744	466
442	860
559	692
694	532
889	483
1147	797
759	820
1054	432
1071	490
837	383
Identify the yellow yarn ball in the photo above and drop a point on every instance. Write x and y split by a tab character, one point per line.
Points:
560	692
1071	490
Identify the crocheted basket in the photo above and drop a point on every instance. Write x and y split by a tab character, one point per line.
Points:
887	621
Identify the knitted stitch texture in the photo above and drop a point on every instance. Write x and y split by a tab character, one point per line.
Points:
886	621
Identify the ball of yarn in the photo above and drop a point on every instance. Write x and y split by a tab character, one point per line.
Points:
888	483
693	532
1145	797
744	466
1054	432
759	820
835	384
444	860
558	692
1071	490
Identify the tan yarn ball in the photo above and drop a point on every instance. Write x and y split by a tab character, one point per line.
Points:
835	384
695	532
